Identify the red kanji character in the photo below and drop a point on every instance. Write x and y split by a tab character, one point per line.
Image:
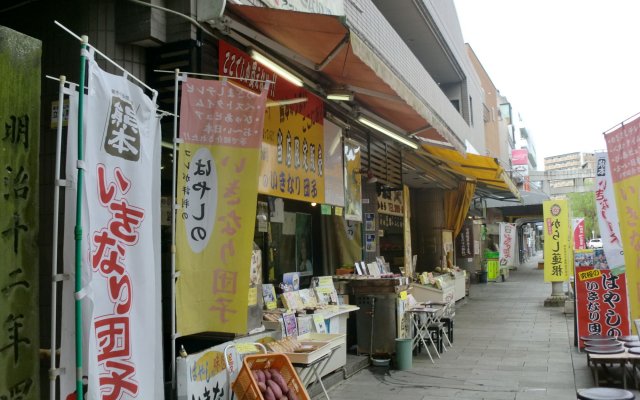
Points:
126	219
109	263
112	337
224	281
106	191
223	309
113	384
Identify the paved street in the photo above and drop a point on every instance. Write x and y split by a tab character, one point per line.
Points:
507	346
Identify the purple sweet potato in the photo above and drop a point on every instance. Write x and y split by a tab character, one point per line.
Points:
283	398
275	388
291	395
262	386
276	376
268	394
267	374
261	377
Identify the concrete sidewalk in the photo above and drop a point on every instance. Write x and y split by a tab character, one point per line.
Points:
507	345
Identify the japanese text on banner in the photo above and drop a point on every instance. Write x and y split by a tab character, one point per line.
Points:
557	251
292	159
217	194
624	163
601	303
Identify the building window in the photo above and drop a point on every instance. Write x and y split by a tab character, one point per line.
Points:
470	111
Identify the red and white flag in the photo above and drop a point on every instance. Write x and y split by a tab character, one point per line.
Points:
120	242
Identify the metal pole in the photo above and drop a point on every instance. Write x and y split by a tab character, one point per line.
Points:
54	252
173	232
78	228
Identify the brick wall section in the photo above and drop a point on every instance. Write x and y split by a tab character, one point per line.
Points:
366	21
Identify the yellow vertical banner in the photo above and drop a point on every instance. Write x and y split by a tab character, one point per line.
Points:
221	126
558	258
624	158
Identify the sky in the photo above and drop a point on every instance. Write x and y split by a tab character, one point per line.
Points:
570	68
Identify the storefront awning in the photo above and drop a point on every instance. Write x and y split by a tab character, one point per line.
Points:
342	59
492	180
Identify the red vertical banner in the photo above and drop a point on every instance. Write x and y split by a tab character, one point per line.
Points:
602	307
579	242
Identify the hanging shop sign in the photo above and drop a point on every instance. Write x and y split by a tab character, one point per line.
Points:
19	175
577	227
292	160
465	240
508	237
557	248
624	159
390	202
120	243
221	125
608	212
601	296
352	182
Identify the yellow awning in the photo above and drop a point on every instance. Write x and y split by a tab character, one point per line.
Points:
491	178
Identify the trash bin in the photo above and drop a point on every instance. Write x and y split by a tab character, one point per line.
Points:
482	276
404	354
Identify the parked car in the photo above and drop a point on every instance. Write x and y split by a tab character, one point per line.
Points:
595	243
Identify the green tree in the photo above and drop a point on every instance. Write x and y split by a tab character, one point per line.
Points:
583	205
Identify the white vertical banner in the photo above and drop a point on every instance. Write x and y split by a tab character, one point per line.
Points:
507	244
333	168
607	212
120	242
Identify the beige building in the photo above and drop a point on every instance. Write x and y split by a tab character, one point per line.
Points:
570	161
496	137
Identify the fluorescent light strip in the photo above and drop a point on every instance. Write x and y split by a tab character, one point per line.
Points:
340	97
276	68
387	132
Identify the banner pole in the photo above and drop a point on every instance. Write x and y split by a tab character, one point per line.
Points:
78	228
54	252
173	231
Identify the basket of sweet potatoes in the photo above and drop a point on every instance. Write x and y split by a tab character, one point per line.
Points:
268	377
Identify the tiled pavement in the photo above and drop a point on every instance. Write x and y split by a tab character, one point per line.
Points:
507	345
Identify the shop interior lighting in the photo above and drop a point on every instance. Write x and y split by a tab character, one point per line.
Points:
276	68
340	96
366	121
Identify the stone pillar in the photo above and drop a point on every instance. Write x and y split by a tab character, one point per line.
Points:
557	297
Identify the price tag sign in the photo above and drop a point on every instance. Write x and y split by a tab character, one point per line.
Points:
403	295
253	296
244	348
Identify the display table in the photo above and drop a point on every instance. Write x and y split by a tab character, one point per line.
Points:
336	347
428	293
